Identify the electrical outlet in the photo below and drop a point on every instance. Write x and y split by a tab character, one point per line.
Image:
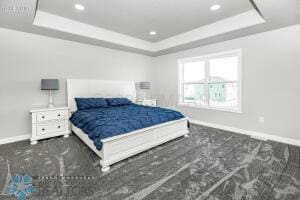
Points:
261	120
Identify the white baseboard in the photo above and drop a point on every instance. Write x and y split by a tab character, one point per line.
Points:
14	139
253	134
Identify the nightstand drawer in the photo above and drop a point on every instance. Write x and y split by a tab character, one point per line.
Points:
43	129
51	115
149	103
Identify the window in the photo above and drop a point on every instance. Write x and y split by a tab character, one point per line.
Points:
211	81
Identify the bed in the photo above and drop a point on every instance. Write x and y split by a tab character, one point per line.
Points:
135	134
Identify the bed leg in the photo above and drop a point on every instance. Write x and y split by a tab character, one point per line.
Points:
186	135
105	168
33	142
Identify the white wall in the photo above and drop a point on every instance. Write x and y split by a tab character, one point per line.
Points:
270	82
270	77
26	58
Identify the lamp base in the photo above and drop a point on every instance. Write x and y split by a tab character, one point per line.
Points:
50	105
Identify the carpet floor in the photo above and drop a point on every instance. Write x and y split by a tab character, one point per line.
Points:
211	164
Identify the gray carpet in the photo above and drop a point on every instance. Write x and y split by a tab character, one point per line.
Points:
211	164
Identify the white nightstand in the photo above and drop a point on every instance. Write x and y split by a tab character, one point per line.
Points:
49	122
147	102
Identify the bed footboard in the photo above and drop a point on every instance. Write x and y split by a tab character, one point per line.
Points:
118	148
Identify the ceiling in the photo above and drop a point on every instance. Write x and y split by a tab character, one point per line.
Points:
137	18
125	25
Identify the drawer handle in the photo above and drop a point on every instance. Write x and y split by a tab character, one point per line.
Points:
43	129
58	127
43	117
58	115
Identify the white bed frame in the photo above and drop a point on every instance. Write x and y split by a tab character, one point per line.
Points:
123	146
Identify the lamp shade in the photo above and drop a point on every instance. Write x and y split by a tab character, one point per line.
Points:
145	85
49	84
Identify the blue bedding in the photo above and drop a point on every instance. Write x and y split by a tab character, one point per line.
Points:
100	123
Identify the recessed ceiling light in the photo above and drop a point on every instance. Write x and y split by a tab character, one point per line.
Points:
152	33
79	7
215	7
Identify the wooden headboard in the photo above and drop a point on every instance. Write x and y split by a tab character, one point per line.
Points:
98	88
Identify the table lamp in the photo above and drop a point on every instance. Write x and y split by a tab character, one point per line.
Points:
50	84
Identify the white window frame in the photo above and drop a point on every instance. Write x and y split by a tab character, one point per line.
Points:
205	58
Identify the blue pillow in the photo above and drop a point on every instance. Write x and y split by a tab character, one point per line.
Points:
88	103
118	101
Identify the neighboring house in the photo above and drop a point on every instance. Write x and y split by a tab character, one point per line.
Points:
193	92
218	92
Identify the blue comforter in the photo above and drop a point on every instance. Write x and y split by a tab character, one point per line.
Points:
100	123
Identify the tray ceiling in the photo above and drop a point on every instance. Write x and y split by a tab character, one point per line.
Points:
137	18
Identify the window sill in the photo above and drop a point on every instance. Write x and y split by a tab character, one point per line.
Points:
238	111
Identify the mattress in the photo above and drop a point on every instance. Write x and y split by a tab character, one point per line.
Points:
100	123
